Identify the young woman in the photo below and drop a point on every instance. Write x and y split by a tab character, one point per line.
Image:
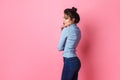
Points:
70	37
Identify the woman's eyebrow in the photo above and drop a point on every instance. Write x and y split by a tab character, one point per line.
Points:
65	16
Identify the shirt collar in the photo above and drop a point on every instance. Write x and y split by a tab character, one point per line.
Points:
72	25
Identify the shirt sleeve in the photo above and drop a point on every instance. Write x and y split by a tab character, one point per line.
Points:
62	40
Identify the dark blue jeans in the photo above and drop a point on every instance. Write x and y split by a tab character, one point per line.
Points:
71	68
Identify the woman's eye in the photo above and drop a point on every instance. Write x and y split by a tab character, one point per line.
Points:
66	18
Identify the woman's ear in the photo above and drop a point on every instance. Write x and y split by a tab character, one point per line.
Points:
73	19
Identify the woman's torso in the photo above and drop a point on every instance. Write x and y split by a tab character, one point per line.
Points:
73	38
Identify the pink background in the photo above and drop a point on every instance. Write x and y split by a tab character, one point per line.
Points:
30	31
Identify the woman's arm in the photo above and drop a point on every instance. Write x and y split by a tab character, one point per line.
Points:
62	40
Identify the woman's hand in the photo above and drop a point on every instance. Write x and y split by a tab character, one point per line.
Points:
64	25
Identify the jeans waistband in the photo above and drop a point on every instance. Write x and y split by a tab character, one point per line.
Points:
71	58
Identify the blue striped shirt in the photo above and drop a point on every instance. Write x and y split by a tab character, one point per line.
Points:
69	39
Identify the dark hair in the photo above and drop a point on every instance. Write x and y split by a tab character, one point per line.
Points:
72	13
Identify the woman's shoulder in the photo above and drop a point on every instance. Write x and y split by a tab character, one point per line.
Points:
74	28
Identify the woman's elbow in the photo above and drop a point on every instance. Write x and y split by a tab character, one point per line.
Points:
60	48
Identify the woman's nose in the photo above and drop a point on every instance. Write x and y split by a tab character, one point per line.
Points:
63	22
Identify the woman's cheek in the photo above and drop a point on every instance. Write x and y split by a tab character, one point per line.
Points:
67	23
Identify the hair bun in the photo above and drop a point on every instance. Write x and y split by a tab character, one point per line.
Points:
74	9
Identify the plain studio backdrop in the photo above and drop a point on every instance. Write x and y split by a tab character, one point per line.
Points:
30	31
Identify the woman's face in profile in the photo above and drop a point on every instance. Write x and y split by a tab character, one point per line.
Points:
67	20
